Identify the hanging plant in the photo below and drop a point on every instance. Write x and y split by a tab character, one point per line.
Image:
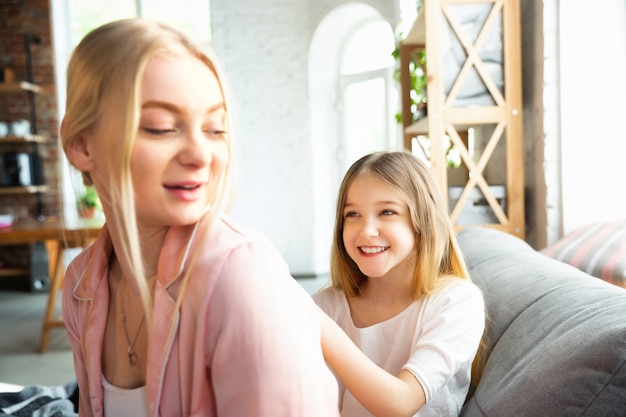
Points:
418	84
417	72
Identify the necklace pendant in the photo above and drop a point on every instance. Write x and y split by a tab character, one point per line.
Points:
132	356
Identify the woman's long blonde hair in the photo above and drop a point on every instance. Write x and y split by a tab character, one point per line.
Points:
438	255
107	66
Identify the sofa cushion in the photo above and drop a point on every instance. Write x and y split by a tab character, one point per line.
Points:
599	249
556	336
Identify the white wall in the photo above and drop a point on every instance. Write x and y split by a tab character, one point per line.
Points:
592	43
326	114
265	48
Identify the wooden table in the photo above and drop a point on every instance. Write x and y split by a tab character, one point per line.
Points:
58	235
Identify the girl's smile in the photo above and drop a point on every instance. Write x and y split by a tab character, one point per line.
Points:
373	250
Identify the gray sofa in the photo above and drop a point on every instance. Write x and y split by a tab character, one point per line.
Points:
556	336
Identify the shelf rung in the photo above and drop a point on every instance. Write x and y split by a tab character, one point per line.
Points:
29	189
30	138
418	128
13	272
417	34
19	87
478	115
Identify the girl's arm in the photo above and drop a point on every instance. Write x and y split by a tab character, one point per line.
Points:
377	390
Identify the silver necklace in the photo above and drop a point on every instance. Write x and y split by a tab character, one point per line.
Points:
133	359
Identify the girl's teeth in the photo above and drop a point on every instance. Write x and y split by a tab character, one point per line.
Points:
374	250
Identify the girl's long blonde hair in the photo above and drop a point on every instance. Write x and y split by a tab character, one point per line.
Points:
106	68
437	251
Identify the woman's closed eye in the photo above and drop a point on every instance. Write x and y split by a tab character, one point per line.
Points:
158	131
215	132
155	131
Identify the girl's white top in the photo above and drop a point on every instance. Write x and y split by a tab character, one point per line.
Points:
435	338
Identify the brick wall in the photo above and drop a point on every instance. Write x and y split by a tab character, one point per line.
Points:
18	18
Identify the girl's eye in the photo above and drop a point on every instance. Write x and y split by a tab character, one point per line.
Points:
387	212
350	214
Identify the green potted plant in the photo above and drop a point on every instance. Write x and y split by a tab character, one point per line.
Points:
88	202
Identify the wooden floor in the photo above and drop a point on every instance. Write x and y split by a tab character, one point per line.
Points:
21	315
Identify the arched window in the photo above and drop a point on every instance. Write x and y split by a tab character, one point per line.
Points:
353	100
367	96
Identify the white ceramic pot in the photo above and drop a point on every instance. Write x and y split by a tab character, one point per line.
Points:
4	129
20	127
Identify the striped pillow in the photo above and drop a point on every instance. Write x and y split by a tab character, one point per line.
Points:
598	249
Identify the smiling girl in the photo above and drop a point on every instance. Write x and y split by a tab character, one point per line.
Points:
401	292
176	310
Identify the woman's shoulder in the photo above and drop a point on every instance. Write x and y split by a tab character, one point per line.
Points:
85	272
78	265
229	230
237	250
227	237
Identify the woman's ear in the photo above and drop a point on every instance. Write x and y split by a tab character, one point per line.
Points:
79	155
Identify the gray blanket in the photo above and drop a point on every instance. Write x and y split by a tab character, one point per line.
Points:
41	401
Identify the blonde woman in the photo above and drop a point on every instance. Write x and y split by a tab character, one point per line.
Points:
176	310
401	292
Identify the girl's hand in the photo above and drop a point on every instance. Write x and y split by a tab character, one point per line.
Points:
381	393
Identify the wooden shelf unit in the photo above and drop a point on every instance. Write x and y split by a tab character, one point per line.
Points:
22	150
29	139
446	122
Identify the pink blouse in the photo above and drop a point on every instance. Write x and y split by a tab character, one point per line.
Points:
245	342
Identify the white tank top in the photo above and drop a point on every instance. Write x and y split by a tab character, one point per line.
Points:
121	402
